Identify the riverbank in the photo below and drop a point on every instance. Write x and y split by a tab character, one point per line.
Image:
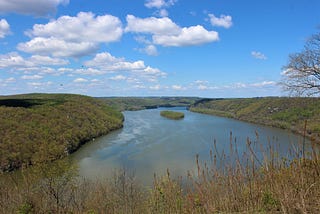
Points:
268	185
281	112
38	128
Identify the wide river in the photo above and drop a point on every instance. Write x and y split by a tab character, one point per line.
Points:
149	143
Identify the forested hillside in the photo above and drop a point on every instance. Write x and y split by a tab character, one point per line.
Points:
139	103
38	128
288	113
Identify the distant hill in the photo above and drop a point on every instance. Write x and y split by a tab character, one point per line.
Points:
287	113
139	103
37	128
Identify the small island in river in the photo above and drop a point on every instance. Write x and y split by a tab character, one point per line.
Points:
172	115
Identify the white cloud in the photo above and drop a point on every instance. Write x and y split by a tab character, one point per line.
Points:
85	27
40	84
258	55
152	25
203	87
31	7
155	87
151	50
14	60
106	61
80	80
32	77
223	21
137	70
89	71
46	60
194	35
178	87
72	36
8	80
163	13
159	3
57	48
4	28
166	33
118	78
264	83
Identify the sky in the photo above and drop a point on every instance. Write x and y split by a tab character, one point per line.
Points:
204	48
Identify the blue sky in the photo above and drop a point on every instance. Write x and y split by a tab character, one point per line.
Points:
207	48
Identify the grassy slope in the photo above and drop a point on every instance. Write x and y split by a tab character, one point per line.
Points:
287	113
37	128
139	103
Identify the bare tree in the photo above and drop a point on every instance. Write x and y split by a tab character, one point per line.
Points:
302	73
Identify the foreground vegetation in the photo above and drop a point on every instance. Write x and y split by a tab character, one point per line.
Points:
242	184
287	113
140	103
37	128
172	115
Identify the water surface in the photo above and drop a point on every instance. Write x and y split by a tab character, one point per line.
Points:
149	143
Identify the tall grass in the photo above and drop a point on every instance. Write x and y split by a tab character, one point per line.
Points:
235	183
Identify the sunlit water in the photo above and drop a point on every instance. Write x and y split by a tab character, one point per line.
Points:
149	143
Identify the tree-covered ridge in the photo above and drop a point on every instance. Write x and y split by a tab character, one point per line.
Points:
139	103
37	128
283	112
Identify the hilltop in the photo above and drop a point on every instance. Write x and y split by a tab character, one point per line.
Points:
38	128
282	112
140	103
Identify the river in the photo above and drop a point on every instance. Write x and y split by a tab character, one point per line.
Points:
149	143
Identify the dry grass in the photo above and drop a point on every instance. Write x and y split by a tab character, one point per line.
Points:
239	183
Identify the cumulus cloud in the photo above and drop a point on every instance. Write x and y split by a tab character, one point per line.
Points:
46	60
166	33
57	47
85	27
222	21
258	55
108	62
151	50
31	64
194	35
12	60
151	25
72	36
4	28
7	81
80	80
31	7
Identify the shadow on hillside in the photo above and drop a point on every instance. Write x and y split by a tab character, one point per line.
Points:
25	103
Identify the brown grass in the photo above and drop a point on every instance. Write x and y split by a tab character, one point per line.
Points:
243	183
